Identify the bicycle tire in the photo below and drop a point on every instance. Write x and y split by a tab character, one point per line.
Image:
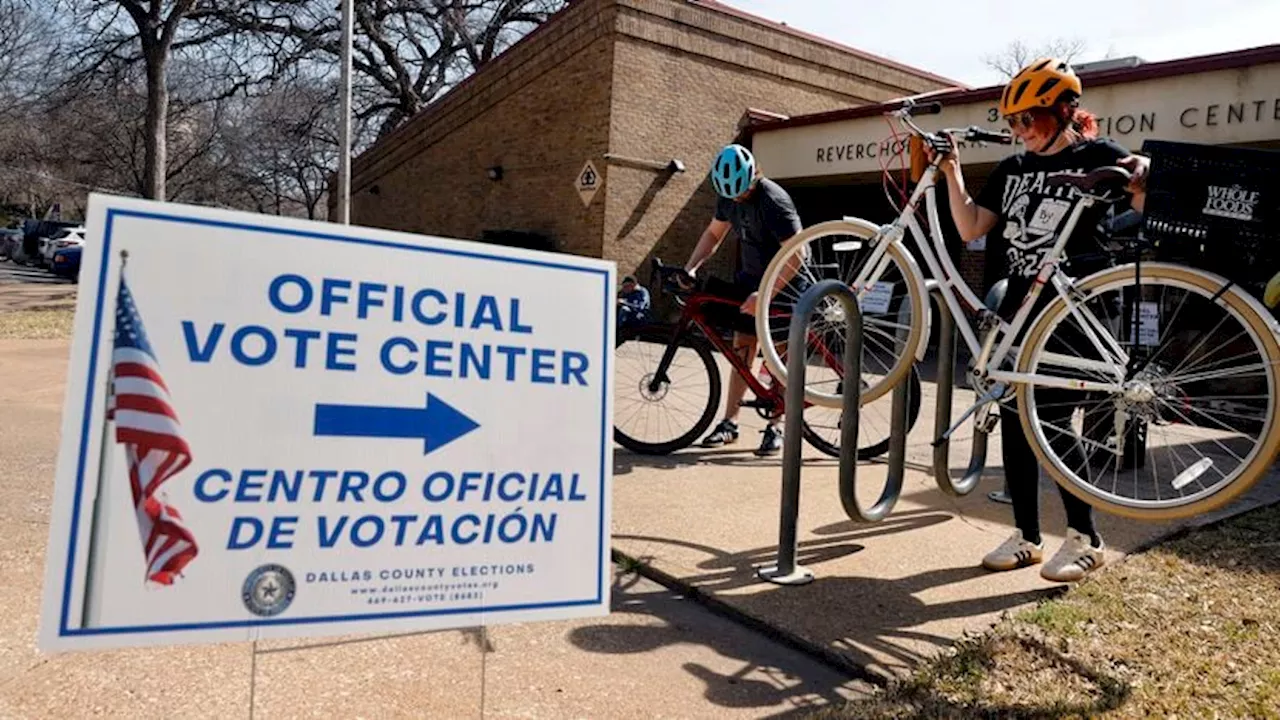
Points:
916	295
880	448
661	335
1157	273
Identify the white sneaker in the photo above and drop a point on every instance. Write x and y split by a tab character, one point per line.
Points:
1076	558
1014	553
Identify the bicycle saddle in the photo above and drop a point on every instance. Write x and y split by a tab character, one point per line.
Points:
1108	178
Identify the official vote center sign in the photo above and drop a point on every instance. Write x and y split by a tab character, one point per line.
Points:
279	428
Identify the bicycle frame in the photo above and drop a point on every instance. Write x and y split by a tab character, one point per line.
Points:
950	283
692	315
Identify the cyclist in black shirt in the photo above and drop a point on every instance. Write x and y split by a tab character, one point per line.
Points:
765	218
1021	218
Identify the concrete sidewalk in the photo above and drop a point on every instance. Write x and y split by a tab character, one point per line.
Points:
886	595
656	655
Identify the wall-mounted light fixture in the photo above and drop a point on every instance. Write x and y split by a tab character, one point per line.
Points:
494	173
670	167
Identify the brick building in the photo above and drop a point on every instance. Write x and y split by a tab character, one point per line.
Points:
624	92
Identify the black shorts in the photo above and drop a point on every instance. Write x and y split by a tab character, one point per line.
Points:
724	316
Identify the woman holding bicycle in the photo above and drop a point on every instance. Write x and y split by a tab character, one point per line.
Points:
1020	217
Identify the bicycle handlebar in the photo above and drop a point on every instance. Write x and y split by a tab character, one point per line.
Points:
977	134
939	140
671	276
930	108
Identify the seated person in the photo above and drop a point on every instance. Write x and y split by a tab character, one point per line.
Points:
633	303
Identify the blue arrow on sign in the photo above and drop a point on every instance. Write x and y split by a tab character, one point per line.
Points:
437	424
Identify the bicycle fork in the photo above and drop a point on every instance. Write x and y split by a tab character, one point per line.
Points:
668	356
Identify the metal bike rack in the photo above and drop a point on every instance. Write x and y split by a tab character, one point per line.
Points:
786	571
942	411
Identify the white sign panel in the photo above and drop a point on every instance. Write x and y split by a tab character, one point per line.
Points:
281	428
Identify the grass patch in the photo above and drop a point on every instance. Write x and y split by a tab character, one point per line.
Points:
1190	629
37	324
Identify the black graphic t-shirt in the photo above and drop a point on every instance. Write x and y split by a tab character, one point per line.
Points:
1031	214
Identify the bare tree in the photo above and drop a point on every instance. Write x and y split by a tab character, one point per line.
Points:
1016	55
406	53
148	34
28	44
226	102
285	146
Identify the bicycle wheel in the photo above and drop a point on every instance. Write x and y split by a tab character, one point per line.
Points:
658	420
892	300
822	424
1192	423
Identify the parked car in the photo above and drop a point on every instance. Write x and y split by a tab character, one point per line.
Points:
68	237
66	262
35	235
10	243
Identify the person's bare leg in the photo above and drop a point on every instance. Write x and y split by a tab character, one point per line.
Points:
727	431
745	347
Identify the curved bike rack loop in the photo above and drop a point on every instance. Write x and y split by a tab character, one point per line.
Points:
786	571
942	411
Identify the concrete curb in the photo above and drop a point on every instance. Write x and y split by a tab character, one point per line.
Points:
818	653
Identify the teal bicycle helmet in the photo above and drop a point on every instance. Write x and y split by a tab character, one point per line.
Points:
734	172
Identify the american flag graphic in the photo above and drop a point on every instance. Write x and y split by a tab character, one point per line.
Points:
147	426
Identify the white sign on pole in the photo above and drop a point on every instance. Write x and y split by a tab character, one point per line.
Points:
280	428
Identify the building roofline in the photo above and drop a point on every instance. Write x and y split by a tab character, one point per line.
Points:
392	139
1149	71
726	9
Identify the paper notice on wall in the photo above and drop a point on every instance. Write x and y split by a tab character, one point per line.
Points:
1148	323
877	298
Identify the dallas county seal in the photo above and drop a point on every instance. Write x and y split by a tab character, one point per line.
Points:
268	590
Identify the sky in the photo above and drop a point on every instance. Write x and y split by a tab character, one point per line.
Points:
944	31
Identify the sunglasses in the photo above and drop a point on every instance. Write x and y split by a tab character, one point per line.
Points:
1022	120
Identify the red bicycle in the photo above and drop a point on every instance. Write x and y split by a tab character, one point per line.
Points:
668	384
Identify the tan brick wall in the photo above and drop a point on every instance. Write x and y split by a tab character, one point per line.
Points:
685	75
669	104
646	79
540	122
766	49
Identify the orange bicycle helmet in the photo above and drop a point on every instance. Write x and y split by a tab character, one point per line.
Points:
1039	85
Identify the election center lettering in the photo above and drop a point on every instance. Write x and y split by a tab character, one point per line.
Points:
371	430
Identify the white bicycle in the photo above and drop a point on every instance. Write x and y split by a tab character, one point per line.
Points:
1147	389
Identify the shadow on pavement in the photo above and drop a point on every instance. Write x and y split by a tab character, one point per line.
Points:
868	620
741	455
769	676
